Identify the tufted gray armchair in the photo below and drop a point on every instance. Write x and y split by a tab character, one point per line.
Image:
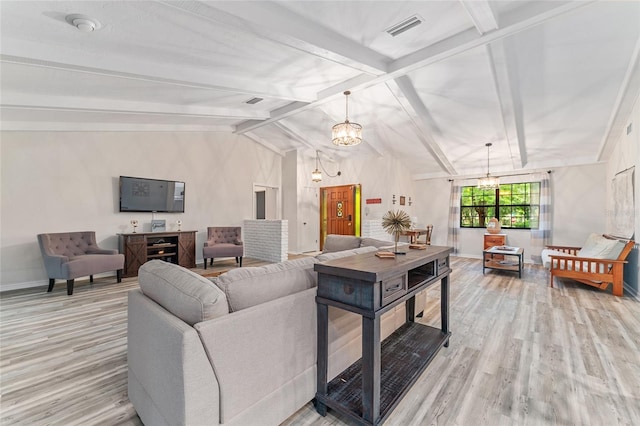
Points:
223	242
69	255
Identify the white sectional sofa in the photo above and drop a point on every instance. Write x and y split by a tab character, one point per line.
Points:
238	349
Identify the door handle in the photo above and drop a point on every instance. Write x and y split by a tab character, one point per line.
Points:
349	217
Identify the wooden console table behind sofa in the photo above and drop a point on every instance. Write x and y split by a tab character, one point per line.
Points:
369	390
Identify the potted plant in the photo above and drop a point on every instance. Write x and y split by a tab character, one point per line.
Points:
395	223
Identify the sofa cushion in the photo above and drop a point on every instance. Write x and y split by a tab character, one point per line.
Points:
335	243
373	242
185	294
600	247
330	256
245	287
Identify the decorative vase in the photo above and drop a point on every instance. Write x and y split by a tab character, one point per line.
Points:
493	226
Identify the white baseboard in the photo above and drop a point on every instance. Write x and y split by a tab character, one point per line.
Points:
21	286
629	291
45	283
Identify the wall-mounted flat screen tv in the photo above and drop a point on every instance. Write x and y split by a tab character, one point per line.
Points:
151	195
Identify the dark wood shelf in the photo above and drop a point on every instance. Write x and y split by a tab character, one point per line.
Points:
422	274
405	354
138	248
508	266
160	255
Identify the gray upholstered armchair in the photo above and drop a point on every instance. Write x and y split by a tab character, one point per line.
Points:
69	255
223	242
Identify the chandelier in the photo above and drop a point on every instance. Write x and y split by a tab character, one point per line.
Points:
488	182
316	175
347	133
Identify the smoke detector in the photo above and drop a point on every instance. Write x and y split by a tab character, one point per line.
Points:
83	23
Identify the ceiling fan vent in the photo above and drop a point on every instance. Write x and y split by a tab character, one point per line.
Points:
254	101
405	25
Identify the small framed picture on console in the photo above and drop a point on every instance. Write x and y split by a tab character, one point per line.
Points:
158	225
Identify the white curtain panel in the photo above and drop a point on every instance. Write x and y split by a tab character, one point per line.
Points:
541	237
453	228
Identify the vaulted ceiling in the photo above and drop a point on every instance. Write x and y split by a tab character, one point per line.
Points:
548	83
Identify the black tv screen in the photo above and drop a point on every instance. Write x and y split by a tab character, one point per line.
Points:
151	195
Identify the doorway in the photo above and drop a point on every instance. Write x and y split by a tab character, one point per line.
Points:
308	214
340	211
265	202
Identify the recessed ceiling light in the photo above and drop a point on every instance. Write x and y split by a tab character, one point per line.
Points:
254	101
83	22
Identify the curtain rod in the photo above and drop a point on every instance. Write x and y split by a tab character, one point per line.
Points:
514	174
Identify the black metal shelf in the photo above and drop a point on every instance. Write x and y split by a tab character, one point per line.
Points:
405	354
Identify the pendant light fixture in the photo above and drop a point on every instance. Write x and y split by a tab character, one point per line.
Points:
488	182
316	175
347	133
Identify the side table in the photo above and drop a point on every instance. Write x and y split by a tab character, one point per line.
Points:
502	263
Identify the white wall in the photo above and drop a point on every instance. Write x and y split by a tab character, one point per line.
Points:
578	208
579	204
380	177
66	181
625	155
290	196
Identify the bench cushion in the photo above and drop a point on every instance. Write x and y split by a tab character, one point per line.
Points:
89	264
599	247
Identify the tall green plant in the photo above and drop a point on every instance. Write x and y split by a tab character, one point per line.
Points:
395	223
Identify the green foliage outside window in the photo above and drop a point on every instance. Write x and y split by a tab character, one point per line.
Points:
515	205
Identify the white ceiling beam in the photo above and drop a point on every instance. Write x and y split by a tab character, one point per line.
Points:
261	141
505	82
279	24
297	107
57	126
627	96
275	116
202	78
294	134
529	16
481	15
69	103
535	14
104	111
405	93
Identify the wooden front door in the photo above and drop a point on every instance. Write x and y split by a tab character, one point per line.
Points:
339	211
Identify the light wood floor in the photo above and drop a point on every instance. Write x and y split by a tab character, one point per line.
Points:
521	353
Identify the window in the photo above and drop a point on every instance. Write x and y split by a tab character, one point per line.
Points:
515	205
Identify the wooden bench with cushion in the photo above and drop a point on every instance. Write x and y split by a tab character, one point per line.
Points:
598	263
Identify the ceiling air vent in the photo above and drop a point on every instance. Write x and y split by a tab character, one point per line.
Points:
254	101
405	25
